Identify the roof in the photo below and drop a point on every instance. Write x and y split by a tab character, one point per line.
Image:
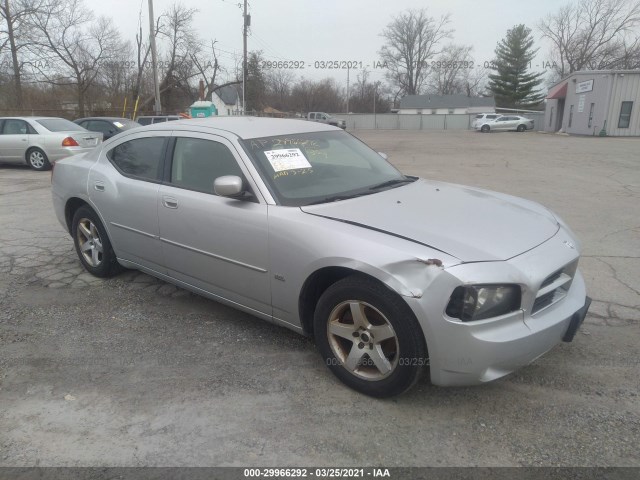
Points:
246	127
201	104
445	101
109	119
596	72
227	94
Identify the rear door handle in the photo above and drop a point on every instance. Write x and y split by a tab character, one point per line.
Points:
99	186
169	202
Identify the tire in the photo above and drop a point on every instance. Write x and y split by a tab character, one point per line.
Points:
485	129
37	159
521	128
92	244
380	367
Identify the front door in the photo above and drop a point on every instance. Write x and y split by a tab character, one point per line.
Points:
14	140
214	243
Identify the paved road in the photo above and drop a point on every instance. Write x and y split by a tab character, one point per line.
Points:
132	371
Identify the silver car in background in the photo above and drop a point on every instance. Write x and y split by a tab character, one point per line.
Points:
505	123
40	141
303	225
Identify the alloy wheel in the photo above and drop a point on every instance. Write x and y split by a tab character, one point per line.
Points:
90	242
363	340
36	159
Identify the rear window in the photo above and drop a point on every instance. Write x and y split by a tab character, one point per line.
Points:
60	125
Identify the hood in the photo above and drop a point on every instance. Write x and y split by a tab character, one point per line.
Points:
471	224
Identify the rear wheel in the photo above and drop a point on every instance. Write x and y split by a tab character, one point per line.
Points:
522	128
369	337
485	129
37	159
92	244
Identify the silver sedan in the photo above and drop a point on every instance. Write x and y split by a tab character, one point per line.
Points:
40	141
503	123
303	225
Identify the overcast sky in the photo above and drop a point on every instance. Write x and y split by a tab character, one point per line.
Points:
311	30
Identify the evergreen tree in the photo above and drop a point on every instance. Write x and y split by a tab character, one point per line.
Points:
512	85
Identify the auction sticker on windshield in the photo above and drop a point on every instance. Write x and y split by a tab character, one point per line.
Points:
287	159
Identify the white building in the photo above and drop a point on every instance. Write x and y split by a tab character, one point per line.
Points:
227	101
591	102
446	104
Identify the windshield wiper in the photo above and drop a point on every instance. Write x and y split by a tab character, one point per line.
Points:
395	181
335	198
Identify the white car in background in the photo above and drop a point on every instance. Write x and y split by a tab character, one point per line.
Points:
484	117
40	141
504	123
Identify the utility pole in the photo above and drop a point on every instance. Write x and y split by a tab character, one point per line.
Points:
247	22
154	59
347	87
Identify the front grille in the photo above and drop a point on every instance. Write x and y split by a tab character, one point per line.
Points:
554	287
544	301
551	278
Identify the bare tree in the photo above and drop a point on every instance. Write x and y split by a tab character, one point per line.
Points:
14	15
449	72
593	34
279	85
412	38
323	95
76	45
367	96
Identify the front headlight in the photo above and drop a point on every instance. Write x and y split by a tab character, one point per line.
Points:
479	302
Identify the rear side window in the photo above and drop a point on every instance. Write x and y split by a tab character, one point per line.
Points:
492	116
140	158
480	116
100	126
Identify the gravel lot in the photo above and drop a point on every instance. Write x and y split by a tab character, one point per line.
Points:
132	371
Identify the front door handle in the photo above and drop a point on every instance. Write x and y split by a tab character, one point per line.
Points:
169	202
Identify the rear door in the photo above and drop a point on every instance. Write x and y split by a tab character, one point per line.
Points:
214	243
124	186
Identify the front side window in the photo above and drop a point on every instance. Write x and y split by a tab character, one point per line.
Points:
197	163
319	167
625	115
140	158
15	127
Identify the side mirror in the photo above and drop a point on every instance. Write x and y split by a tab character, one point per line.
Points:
384	155
228	186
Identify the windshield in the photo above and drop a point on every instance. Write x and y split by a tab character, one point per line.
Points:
306	168
60	125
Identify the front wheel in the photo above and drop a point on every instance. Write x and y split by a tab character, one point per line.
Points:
485	129
92	244
38	160
369	337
